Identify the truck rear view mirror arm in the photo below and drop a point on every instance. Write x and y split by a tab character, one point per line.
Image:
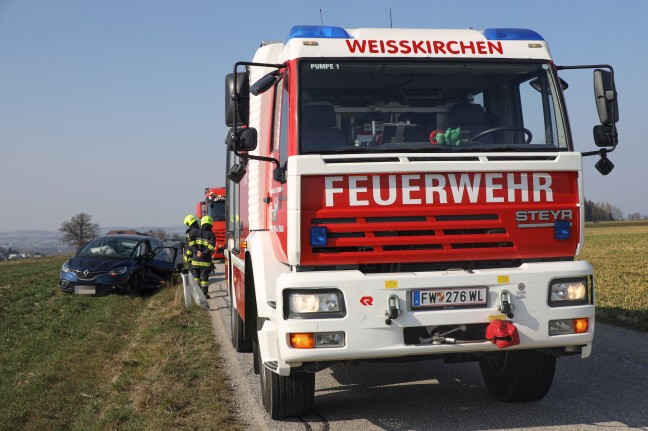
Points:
240	137
237	93
605	135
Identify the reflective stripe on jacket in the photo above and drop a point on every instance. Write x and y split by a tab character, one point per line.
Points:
202	240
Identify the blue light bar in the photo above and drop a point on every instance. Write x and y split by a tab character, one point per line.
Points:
318	236
562	229
511	34
318	32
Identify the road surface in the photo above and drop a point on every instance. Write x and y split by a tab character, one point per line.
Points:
608	391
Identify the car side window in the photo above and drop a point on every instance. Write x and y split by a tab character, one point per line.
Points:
153	244
164	254
142	249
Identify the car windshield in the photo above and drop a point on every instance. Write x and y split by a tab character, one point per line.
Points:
109	247
378	106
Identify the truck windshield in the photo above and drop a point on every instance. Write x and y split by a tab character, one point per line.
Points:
361	106
217	210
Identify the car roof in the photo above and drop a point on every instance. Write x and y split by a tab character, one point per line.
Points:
127	236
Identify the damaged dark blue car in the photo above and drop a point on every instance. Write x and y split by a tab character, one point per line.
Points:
119	264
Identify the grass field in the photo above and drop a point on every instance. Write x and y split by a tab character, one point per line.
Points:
121	362
618	251
116	362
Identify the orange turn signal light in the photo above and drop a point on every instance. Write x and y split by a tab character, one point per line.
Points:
302	340
580	325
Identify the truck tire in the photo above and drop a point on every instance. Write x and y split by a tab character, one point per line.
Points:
287	396
238	330
518	375
256	357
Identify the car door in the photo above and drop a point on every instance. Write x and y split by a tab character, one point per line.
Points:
159	265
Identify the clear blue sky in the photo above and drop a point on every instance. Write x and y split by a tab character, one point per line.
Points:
115	108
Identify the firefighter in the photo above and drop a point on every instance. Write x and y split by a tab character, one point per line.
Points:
202	243
192	223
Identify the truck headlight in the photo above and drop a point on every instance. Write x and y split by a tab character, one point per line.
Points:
65	268
569	291
313	304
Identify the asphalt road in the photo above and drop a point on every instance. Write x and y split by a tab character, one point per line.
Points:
608	391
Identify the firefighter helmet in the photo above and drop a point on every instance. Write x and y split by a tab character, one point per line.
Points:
189	220
206	220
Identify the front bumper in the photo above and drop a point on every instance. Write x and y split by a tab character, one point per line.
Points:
368	336
103	283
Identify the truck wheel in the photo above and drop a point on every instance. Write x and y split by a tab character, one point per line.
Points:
518	375
256	356
287	396
238	330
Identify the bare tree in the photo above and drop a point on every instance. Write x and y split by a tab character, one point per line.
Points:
79	230
158	233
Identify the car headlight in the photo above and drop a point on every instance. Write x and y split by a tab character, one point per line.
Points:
313	304
118	271
572	291
65	268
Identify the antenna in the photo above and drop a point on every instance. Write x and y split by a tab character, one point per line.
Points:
391	24
321	17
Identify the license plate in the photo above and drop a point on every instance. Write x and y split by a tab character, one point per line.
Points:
449	297
85	290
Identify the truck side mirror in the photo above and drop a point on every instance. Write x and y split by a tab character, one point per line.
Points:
237	100
265	83
241	140
605	136
236	173
606	97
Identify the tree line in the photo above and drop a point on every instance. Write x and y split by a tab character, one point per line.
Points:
603	211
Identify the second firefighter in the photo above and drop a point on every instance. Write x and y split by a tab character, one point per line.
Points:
202	243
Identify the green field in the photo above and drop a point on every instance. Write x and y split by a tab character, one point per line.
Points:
122	362
618	251
115	362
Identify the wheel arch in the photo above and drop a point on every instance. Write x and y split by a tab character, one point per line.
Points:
262	258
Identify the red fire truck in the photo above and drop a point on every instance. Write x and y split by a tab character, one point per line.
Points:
399	194
214	206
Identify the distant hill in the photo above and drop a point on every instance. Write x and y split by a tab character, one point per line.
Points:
49	242
22	234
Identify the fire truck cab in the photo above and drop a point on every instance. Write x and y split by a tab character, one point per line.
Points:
408	193
214	206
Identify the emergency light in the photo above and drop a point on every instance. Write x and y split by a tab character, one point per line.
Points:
318	32
562	229
511	34
318	236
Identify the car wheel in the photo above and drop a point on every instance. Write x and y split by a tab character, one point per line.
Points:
287	396
518	375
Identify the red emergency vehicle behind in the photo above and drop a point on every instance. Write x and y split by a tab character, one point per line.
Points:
214	206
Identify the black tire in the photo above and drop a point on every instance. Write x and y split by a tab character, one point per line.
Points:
287	396
256	356
518	375
239	342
